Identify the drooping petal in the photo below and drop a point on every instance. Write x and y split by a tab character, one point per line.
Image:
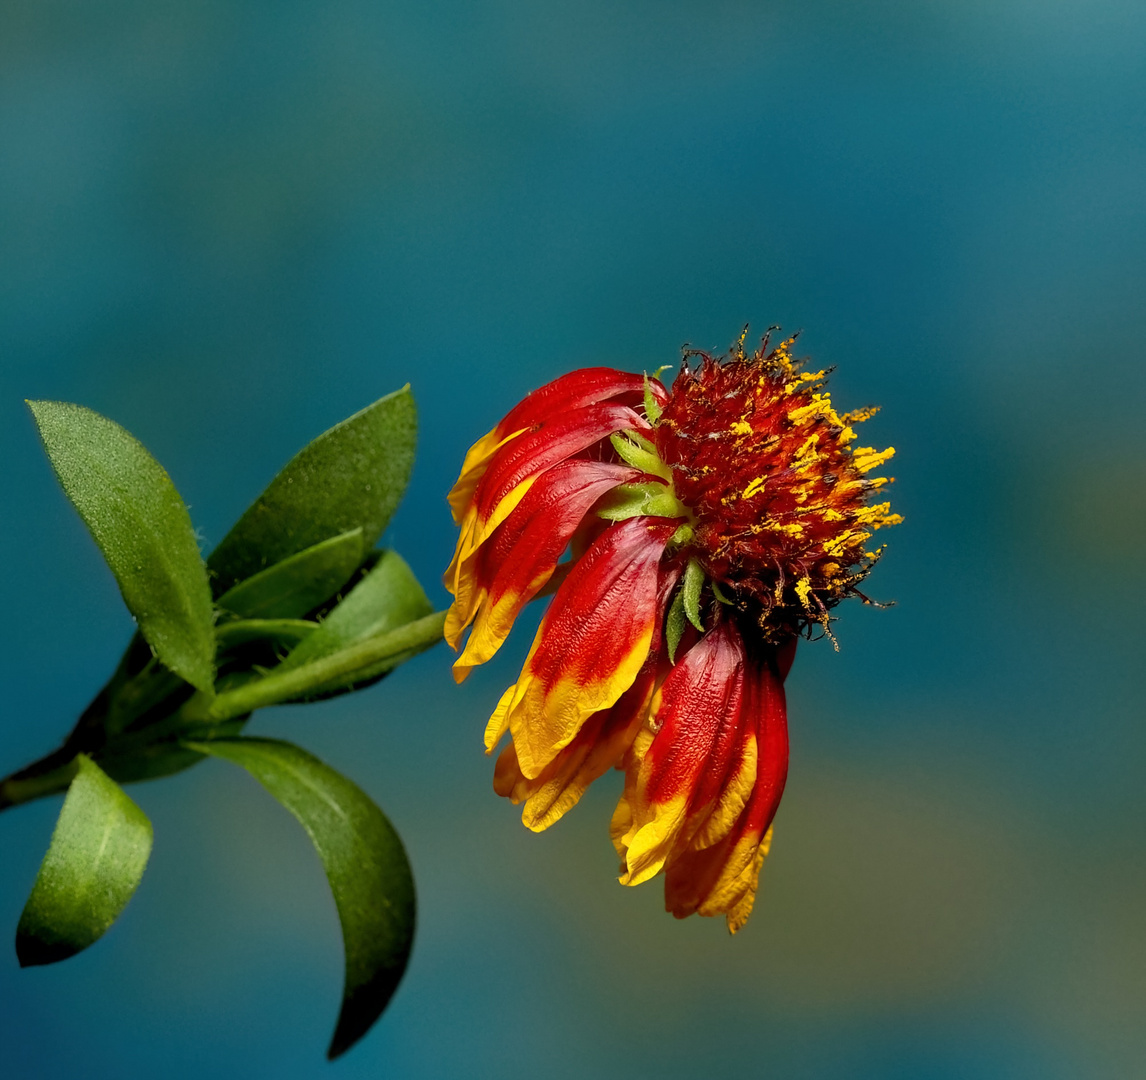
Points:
598	746
537	450
592	642
692	759
520	557
585	386
473	469
722	879
511	471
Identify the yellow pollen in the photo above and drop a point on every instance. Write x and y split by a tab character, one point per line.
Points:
741	427
803	589
867	457
754	487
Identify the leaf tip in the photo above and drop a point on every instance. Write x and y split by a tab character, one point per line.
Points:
33	951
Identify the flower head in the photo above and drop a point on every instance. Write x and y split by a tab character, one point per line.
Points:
708	527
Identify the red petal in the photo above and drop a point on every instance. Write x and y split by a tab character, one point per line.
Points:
593	640
536	451
600	745
722	879
519	558
586	386
696	749
698	712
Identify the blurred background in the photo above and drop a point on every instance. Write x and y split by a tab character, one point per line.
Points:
228	225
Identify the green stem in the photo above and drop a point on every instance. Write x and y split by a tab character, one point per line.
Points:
279	686
199	715
48	776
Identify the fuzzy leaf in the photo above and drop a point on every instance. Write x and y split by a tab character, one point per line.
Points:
299	583
350	477
365	864
97	856
137	518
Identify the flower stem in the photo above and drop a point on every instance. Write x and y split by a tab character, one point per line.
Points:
280	686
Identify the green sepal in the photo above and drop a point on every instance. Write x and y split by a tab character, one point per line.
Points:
389	596
365	864
142	527
350	477
674	625
635	450
652	407
719	593
96	858
690	590
299	583
647	497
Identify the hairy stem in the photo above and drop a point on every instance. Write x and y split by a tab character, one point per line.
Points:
277	687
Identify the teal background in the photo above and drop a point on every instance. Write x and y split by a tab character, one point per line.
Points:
228	225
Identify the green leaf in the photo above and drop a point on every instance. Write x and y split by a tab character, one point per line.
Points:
299	583
693	583
674	625
365	864
352	476
137	518
95	861
387	597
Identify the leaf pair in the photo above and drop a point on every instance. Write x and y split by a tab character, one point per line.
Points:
340	490
102	841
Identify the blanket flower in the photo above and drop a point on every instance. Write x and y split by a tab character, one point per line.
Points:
708	526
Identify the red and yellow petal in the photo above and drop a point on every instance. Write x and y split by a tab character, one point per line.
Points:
692	760
539	449
474	467
587	386
593	640
520	557
598	746
722	878
510	473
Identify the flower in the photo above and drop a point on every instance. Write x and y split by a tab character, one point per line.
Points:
709	526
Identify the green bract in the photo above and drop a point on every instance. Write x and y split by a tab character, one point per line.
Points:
304	609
